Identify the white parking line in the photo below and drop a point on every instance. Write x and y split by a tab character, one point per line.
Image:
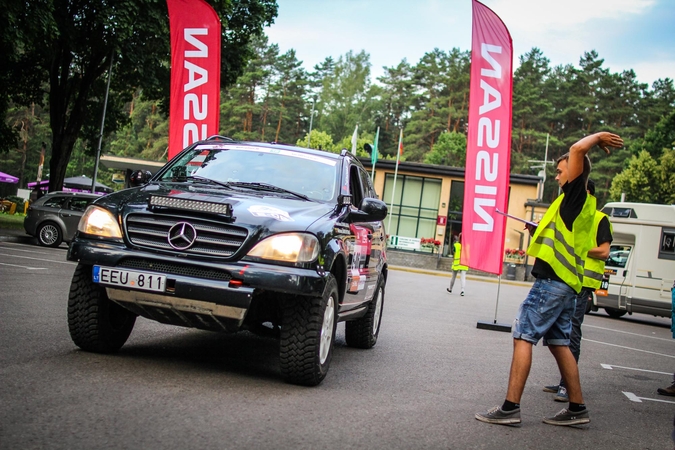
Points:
39	259
610	367
24	267
634	398
625	332
629	348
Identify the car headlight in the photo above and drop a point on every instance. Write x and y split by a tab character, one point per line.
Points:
99	222
288	247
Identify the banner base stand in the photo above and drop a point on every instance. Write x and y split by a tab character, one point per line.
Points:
494	326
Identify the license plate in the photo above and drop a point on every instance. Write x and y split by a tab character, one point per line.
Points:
129	279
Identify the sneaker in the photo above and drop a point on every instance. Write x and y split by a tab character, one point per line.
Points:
669	391
553	388
561	396
449	290
566	417
497	415
462	294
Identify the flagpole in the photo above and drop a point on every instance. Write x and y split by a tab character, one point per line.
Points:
373	158
393	191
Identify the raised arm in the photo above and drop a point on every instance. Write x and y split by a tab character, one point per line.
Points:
604	140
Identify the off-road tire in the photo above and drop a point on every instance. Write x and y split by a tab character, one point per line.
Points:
363	332
49	234
96	324
305	322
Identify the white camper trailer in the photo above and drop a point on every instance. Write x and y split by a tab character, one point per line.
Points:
641	263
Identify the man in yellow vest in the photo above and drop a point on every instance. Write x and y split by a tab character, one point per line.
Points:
457	266
594	269
560	245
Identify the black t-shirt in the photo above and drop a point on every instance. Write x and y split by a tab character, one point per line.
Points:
570	207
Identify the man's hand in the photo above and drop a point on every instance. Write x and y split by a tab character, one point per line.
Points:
608	140
530	228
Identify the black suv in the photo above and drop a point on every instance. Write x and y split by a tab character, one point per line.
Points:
233	236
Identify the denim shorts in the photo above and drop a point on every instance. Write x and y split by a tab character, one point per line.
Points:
546	313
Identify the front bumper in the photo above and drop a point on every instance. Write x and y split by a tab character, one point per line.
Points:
196	288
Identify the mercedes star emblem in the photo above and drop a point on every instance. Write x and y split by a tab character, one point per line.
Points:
182	236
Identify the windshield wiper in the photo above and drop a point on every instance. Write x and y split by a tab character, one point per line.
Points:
266	187
208	180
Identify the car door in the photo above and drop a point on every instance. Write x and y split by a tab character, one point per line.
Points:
616	268
70	215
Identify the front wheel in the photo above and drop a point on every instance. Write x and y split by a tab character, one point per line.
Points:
615	313
308	335
363	332
96	324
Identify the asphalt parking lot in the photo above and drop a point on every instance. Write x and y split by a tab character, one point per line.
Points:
431	370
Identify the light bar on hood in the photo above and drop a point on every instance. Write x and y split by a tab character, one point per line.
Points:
190	205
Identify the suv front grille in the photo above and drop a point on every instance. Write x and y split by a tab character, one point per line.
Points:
213	238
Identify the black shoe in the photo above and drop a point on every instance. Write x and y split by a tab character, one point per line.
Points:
669	391
553	389
449	290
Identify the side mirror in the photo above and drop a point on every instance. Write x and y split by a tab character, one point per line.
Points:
139	177
371	210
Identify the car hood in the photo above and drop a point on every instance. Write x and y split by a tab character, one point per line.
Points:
267	212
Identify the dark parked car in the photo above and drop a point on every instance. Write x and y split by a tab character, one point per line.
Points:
53	218
231	236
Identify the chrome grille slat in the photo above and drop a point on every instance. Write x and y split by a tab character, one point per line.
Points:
213	239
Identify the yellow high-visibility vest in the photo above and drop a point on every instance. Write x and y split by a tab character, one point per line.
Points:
564	250
455	262
594	269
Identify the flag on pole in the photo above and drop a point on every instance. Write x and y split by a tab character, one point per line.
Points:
194	112
488	148
354	139
373	155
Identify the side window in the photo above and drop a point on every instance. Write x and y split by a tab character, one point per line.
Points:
667	247
355	188
618	255
78	204
56	202
368	190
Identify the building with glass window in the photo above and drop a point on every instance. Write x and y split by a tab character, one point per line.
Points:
426	201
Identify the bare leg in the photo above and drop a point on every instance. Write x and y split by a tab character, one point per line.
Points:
520	369
569	371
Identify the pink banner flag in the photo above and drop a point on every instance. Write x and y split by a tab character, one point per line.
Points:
488	150
194	112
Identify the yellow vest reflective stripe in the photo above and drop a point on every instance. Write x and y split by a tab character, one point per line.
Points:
594	269
564	250
455	261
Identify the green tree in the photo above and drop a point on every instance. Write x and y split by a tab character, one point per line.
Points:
320	140
449	150
639	181
64	50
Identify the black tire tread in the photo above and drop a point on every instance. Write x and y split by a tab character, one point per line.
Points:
90	312
302	319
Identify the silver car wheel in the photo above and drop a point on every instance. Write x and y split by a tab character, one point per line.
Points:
327	329
378	310
49	234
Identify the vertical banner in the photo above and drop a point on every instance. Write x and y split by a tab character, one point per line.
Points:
194	112
488	149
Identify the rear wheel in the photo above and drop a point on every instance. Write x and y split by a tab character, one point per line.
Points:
615	313
96	324
308	335
363	332
49	235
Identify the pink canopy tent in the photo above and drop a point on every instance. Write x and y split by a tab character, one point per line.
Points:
6	178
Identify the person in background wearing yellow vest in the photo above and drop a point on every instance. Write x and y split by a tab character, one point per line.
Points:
594	269
560	245
456	266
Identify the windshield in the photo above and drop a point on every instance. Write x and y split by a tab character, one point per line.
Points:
309	175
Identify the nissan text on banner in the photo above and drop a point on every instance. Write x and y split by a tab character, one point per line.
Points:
488	149
194	112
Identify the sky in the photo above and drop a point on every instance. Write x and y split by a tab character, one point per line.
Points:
627	34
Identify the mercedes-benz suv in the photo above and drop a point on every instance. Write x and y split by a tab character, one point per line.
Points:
232	236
